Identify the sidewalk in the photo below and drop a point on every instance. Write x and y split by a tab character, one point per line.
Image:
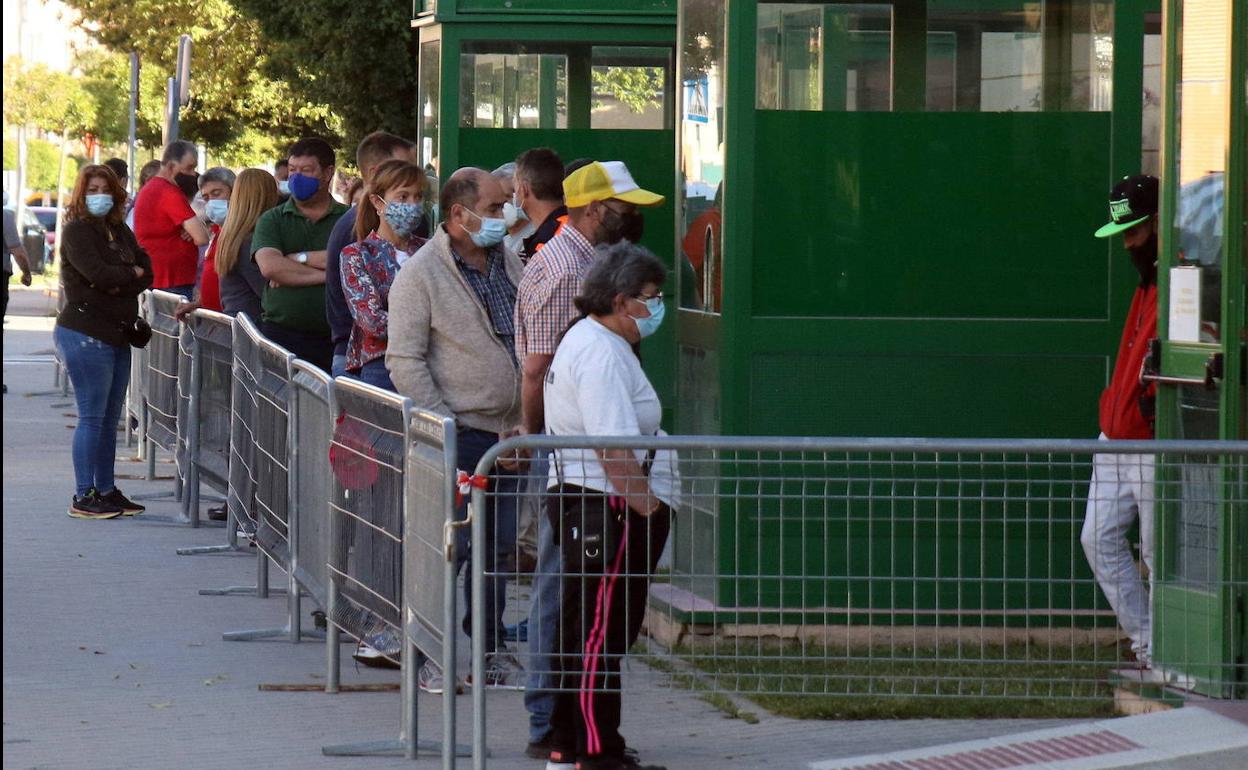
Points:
112	659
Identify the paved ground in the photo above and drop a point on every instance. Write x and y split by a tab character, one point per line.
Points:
112	659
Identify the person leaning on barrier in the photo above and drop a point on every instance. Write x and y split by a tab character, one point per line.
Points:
611	507
451	350
390	212
1122	484
104	270
165	224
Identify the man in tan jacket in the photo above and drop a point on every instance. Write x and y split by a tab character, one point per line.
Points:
452	351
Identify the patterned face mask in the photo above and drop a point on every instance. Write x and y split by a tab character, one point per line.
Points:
404	218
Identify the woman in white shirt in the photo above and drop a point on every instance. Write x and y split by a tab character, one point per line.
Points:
611	509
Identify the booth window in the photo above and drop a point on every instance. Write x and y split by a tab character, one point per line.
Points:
557	86
945	55
429	95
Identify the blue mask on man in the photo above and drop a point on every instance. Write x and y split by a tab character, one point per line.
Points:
216	210
492	232
303	187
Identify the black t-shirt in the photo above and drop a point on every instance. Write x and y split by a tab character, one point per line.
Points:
545	231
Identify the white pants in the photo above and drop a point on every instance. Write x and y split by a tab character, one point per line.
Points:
1121	489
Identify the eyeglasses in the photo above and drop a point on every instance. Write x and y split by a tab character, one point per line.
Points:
647	298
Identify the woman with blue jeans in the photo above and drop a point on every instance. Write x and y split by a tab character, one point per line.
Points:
103	272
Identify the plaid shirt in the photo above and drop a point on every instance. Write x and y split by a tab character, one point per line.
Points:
551	281
495	291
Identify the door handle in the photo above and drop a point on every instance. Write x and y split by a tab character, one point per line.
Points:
1150	369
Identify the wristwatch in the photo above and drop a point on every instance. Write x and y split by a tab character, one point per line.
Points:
302	257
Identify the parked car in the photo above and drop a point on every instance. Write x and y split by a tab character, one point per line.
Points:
34	238
47	217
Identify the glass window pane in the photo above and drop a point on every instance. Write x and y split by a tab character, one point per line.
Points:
702	153
1204	126
1150	138
630	87
513	90
428	98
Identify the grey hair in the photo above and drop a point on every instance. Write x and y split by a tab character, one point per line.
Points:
176	150
621	268
217	174
505	171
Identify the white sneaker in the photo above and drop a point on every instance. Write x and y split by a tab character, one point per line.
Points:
430	679
502	672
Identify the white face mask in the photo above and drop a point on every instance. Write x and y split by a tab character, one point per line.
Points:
513	212
514	244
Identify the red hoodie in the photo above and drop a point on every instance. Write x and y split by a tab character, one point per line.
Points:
1120	403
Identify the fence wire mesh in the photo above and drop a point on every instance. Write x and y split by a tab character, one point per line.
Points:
314	421
272	452
367	458
163	362
214	335
244	407
136	395
872	578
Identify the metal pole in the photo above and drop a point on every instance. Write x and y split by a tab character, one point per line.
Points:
292	510
134	108
450	622
190	500
171	111
476	509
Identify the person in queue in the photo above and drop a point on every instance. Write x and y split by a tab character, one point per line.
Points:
165	224
289	244
16	250
281	175
373	150
386	227
146	173
452	351
104	271
611	508
538	197
215	187
518	225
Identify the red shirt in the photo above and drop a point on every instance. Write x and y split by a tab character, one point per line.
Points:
209	282
1120	403
159	212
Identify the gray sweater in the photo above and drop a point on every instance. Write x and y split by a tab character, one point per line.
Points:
442	351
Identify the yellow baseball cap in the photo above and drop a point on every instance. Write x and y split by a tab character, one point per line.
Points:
600	181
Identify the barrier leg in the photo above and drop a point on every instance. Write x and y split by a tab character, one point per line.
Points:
333	653
292	628
231	543
260	589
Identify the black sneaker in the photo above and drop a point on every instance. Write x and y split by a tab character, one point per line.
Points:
92	506
540	749
217	514
128	507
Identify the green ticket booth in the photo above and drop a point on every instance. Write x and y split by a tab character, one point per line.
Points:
587	79
1201	616
886	217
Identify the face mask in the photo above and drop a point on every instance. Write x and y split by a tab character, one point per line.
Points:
650	324
215	210
618	227
514	244
99	204
302	187
404	218
188	184
283	187
1144	257
492	231
513	212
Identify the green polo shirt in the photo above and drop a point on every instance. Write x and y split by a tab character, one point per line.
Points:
285	228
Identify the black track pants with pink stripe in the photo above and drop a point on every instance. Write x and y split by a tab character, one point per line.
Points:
609	553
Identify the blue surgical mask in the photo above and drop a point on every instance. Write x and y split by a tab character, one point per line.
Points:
99	204
492	231
513	212
216	210
303	187
650	324
404	218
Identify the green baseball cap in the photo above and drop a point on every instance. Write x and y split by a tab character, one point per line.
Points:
1132	201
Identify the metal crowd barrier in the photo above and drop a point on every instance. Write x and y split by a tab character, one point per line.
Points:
845	575
163	360
136	394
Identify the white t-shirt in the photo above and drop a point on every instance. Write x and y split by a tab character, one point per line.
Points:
595	387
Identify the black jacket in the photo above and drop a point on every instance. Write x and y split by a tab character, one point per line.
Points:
97	276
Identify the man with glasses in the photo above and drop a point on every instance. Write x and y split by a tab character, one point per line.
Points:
602	200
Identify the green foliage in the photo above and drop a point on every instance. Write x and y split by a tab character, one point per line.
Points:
10	154
358	58
37	96
636	87
42	159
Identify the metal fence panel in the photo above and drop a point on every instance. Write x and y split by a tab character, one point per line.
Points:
163	356
244	407
136	394
855	577
430	507
312	413
272	460
214	336
367	459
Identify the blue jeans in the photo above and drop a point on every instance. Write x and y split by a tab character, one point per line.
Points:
500	533
539	696
374	373
339	365
100	373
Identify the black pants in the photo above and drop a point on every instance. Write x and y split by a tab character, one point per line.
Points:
316	349
609	554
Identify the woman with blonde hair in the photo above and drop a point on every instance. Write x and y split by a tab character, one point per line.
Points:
390	212
242	285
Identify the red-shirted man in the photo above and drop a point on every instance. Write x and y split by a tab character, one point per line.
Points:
165	225
1122	484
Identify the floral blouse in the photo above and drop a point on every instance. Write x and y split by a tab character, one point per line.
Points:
368	268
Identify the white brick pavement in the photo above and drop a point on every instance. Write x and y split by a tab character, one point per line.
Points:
109	651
